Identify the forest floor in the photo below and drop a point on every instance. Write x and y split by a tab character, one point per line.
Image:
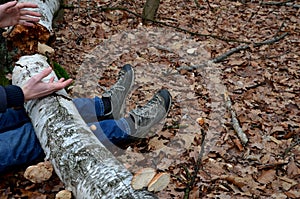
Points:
184	50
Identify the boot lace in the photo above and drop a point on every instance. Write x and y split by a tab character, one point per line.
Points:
117	86
148	111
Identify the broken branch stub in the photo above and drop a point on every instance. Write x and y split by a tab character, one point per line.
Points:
25	38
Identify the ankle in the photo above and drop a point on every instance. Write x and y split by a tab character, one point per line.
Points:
107	105
131	124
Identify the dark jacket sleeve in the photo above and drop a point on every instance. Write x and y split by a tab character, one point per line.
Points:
10	96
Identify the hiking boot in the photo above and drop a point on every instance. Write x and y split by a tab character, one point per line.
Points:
118	93
145	117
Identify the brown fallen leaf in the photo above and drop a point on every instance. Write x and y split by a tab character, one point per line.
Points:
292	169
267	176
156	143
292	194
287	183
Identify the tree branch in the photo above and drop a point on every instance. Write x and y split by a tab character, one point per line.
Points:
232	51
197	167
103	9
286	3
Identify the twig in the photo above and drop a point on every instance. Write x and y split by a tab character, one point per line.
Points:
197	167
295	143
245	47
103	9
276	164
270	41
235	122
286	3
232	51
210	8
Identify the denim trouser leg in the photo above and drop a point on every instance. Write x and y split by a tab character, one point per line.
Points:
19	144
89	109
114	130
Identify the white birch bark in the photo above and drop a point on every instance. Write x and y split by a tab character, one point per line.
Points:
83	164
46	8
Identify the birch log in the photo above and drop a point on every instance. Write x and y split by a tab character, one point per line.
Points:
83	164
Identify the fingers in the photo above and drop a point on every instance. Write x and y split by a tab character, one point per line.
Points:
27	17
51	80
28	20
27	5
29	13
43	74
66	83
10	4
52	85
60	84
61	80
25	23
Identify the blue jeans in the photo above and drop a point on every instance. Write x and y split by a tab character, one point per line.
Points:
19	144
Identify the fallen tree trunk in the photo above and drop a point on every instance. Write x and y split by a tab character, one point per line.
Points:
83	164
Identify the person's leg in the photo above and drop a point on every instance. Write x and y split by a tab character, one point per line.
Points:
90	109
12	119
19	146
137	125
112	103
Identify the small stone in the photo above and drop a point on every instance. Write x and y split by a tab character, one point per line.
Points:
63	194
191	51
39	173
93	127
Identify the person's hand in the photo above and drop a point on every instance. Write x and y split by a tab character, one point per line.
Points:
13	13
35	87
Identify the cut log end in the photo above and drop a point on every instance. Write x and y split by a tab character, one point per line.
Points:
142	178
159	182
147	177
